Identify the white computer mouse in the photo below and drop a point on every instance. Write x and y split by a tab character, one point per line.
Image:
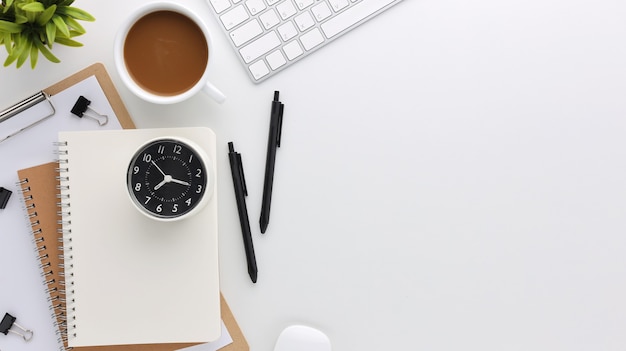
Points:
302	338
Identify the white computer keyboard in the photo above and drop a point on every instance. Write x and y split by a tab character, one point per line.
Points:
271	35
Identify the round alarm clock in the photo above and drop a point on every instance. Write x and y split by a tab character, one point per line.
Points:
170	178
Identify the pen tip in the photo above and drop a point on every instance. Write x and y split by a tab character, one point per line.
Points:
276	93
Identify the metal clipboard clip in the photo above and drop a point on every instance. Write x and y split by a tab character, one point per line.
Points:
19	108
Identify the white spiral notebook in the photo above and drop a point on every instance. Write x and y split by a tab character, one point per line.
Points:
164	274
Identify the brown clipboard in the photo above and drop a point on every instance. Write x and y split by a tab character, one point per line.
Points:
45	174
99	71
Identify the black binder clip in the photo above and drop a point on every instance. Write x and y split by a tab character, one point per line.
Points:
80	109
5	194
8	322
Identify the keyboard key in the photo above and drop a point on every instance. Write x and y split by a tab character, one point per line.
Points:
338	5
352	16
302	4
270	35
246	32
255	6
220	5
304	21
287	31
259	47
286	9
321	11
312	39
276	59
269	19
234	17
293	50
259	69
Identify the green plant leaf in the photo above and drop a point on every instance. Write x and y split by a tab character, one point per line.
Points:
32	7
25	53
34	56
74	33
68	42
20	19
10	27
17	50
13	55
61	26
9	60
51	32
72	23
30	15
46	15
76	13
7	38
46	53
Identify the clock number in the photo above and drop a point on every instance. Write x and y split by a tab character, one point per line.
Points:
147	200
199	173
137	186
190	158
135	169
177	149
175	208
161	149
199	190
188	202
159	208
147	158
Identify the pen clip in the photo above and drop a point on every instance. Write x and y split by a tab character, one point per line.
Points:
239	165
243	177
279	133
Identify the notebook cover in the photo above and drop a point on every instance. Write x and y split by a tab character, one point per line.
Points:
163	273
39	189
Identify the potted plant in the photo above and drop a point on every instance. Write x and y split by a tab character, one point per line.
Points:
28	27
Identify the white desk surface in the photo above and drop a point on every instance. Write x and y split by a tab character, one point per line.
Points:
451	176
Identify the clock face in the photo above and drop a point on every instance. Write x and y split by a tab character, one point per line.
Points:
168	178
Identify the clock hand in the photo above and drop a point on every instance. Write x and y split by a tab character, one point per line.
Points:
165	180
179	182
158	186
160	170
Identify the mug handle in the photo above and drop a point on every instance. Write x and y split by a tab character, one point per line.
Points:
214	93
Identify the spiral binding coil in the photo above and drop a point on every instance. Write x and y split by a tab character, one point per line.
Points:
64	230
45	251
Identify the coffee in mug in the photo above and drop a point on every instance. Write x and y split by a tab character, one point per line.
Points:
163	54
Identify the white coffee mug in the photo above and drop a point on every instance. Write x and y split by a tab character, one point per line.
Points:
201	84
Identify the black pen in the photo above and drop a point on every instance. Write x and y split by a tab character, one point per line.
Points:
273	141
239	181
